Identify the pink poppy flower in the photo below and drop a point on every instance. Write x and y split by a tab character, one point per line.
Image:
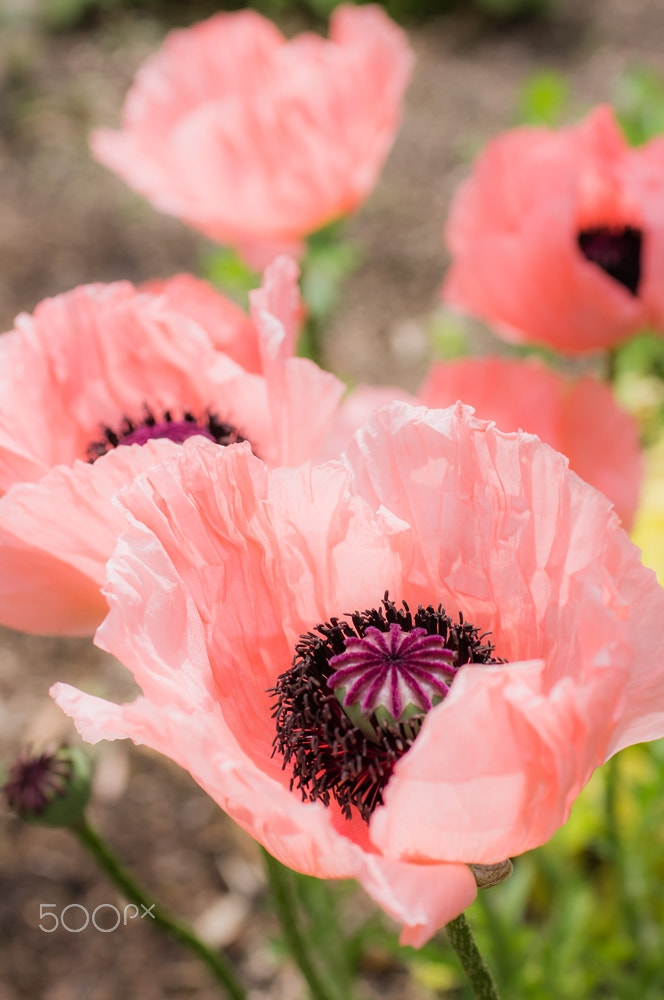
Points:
557	237
256	141
459	576
578	417
104	381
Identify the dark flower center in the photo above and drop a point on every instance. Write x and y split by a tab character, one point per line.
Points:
166	426
34	782
355	697
617	250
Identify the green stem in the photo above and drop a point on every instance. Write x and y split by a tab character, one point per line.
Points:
617	853
309	345
131	890
501	951
463	942
285	900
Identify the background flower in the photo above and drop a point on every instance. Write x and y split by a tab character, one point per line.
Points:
557	237
432	506
256	141
578	417
102	382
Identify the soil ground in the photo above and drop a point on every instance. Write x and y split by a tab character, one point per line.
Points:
66	221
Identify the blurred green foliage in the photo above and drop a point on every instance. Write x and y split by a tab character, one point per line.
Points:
638	97
543	99
63	15
222	267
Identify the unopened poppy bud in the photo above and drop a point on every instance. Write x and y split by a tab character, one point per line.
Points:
51	788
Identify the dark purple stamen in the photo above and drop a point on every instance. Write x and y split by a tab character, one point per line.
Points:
150	427
177	431
391	659
617	250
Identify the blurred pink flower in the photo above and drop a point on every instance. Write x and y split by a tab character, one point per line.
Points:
101	383
557	237
256	141
230	593
578	417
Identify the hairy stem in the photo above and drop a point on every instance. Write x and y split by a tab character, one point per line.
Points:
479	976
131	890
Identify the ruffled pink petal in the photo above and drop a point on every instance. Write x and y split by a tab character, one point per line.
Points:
579	418
56	536
227	326
279	297
496	768
507	516
89	358
156	350
303	398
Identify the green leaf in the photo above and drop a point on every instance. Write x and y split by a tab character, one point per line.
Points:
223	268
639	104
543	99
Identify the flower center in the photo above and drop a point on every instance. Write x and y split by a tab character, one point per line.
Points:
355	697
617	250
401	672
166	426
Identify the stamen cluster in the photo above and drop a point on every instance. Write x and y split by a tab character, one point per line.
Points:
166	426
330	755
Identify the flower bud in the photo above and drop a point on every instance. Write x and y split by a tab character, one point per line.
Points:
51	788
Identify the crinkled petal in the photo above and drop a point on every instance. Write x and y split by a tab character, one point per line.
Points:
495	769
303	398
89	358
